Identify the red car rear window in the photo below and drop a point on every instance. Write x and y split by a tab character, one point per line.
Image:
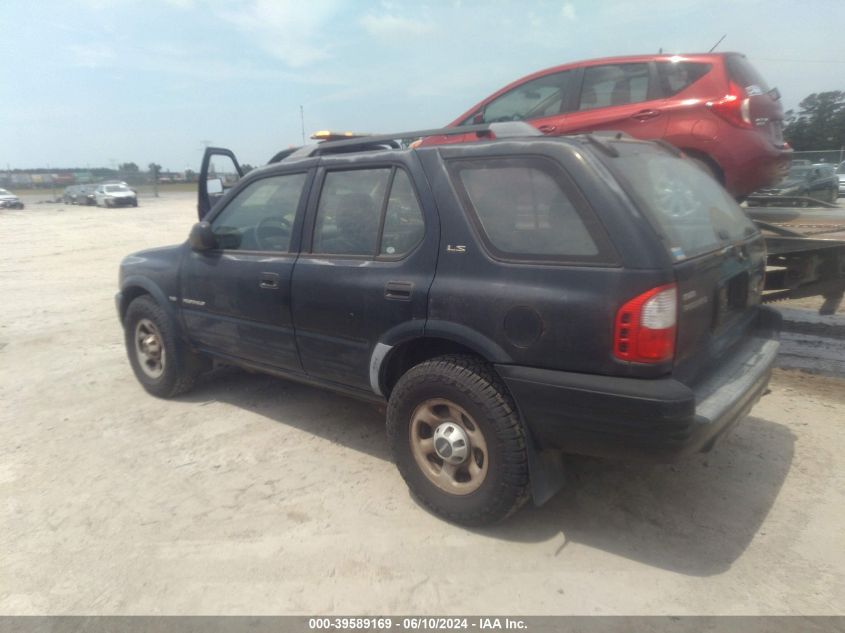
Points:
742	72
676	76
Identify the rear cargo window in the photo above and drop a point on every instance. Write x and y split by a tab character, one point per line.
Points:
690	210
523	211
742	72
676	76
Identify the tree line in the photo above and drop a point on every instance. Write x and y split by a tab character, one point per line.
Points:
819	122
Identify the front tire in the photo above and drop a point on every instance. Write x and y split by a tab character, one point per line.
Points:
458	441
161	362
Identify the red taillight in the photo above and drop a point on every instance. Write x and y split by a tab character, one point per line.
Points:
734	107
646	326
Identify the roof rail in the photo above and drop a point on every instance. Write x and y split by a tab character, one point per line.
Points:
503	129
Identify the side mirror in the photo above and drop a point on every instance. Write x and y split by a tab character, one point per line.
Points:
214	186
202	237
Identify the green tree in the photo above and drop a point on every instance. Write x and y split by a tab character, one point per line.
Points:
129	168
819	123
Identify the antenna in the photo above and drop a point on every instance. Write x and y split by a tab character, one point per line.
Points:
717	43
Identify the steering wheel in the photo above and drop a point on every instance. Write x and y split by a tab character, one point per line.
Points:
273	234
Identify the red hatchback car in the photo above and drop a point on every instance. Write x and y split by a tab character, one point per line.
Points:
715	107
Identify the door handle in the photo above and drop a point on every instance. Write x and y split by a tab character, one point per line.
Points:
645	115
547	129
398	290
268	281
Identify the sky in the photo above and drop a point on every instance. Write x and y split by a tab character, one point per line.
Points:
98	83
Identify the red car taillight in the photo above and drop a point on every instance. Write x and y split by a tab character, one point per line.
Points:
734	107
646	326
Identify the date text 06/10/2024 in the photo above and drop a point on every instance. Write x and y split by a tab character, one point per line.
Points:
415	624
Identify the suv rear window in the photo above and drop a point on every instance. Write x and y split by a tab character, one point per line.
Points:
676	76
692	213
742	72
521	207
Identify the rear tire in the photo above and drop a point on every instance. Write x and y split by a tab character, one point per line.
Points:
162	363
459	397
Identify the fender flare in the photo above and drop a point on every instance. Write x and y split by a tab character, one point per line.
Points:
445	330
151	288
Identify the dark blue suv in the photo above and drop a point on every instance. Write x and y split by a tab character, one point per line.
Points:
511	300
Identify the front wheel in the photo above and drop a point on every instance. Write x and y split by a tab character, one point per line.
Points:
458	441
161	362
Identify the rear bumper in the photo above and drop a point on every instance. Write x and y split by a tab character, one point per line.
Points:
659	419
751	162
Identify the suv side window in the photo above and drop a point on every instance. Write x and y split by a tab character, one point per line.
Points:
356	217
403	220
349	211
541	97
261	216
524	211
614	84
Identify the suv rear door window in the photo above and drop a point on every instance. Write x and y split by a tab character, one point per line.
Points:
676	76
613	84
524	211
403	220
691	211
353	216
349	212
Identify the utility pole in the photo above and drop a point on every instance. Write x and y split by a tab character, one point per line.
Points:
302	123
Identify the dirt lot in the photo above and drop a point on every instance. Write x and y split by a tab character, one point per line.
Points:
253	495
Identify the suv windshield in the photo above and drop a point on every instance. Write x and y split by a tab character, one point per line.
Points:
692	213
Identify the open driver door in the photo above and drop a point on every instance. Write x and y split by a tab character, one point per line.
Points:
220	172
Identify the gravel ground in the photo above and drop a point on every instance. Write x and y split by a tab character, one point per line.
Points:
254	495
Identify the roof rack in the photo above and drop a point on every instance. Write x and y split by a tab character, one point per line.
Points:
503	129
